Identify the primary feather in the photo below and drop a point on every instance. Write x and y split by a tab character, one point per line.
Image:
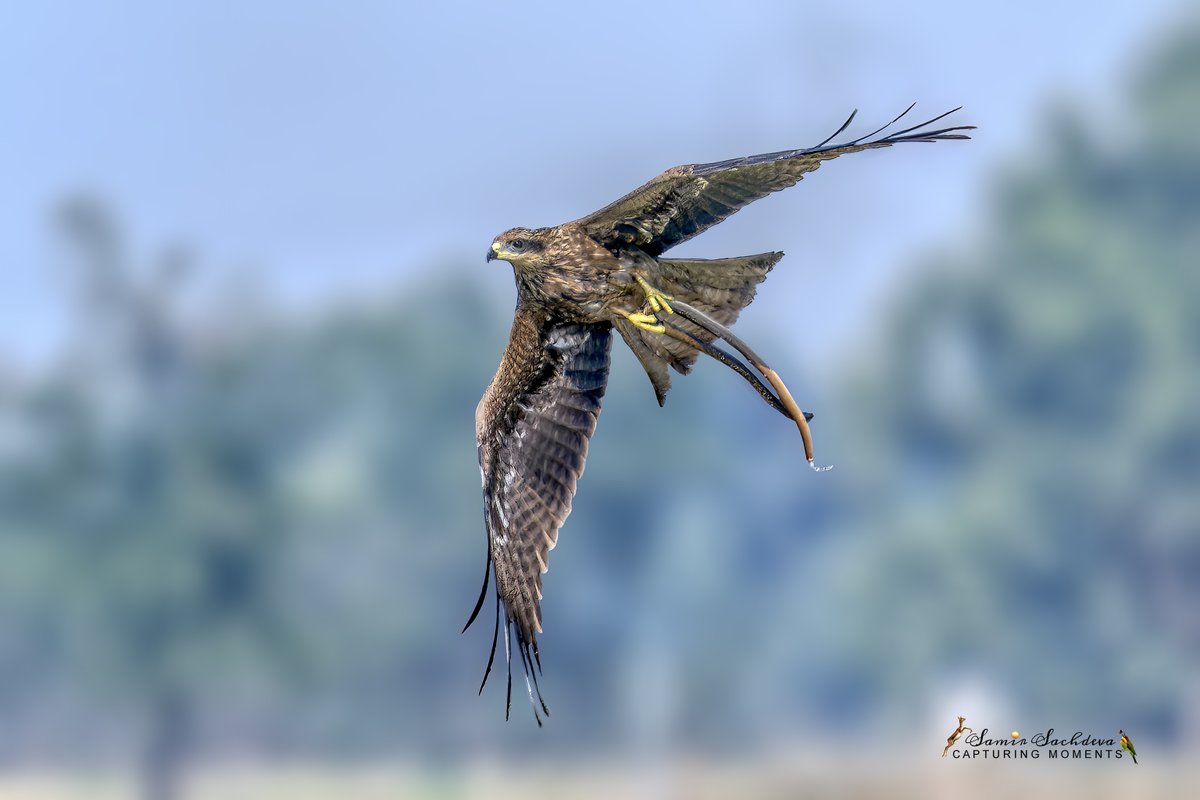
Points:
577	281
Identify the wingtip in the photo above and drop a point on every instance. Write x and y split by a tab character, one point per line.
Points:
492	655
487	566
914	133
838	132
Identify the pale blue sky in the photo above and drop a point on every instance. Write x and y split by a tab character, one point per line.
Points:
342	149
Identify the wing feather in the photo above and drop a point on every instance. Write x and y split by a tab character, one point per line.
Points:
687	200
532	428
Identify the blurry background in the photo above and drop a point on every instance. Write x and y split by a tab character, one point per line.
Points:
246	321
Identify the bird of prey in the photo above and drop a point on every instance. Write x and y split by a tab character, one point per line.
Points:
577	282
1127	745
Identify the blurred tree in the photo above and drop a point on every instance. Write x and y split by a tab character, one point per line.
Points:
266	535
1034	501
273	538
152	511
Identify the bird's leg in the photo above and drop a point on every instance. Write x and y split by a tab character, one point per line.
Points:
657	301
647	322
660	303
656	298
718	330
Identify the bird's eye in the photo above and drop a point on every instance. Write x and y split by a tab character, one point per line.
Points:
516	244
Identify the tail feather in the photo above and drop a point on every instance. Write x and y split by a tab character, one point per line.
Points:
719	287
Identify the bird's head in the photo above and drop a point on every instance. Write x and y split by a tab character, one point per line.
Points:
520	247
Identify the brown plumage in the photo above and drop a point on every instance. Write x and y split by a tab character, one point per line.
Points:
575	283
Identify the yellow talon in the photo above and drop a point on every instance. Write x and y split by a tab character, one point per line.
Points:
647	322
656	299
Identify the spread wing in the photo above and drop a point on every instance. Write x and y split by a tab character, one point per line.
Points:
533	427
685	201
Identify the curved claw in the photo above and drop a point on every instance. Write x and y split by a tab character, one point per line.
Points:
655	298
647	322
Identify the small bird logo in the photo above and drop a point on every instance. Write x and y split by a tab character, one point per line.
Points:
956	734
1127	745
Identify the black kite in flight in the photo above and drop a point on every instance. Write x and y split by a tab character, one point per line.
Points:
577	282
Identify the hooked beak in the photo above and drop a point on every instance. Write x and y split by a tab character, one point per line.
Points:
491	255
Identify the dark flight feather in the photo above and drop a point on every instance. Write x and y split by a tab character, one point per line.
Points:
687	200
575	283
721	287
532	430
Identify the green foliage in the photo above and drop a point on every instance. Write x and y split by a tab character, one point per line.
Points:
280	530
1039	443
